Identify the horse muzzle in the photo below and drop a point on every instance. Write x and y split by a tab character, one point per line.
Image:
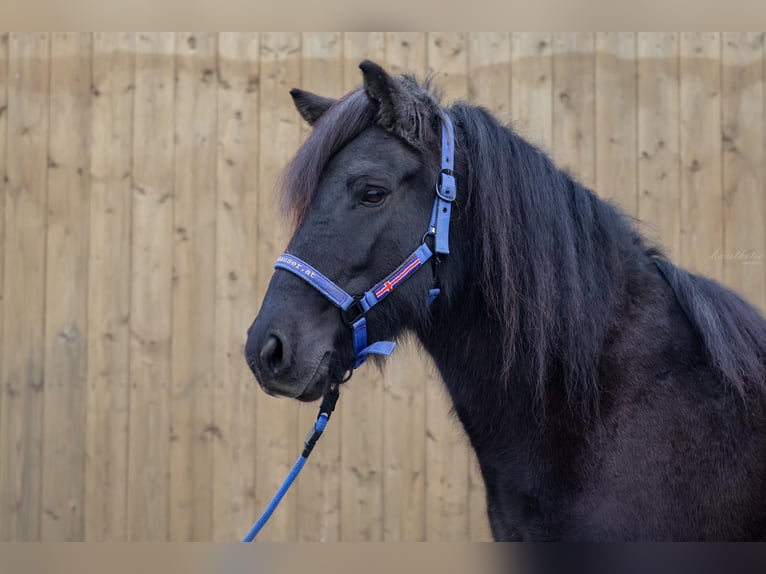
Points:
289	364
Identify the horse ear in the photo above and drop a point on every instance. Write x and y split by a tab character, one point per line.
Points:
384	90
310	106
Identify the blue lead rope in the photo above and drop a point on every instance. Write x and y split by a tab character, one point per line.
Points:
325	410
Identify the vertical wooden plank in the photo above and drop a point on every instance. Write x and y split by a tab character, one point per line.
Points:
24	289
658	137
4	79
743	164
276	419
361	491
532	87
447	451
319	495
701	193
489	81
574	111
106	461
616	113
192	339
237	237
406	53
404	384
150	314
489	86
66	291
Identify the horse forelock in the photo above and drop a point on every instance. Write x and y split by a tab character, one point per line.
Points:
344	121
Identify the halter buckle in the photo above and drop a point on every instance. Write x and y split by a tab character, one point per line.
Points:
356	308
443	183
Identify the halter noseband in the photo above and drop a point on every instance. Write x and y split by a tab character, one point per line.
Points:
353	309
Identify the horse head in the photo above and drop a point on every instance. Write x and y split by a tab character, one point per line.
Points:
361	193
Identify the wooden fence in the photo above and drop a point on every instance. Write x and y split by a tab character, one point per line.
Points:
138	232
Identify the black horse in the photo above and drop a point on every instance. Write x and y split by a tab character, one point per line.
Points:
608	394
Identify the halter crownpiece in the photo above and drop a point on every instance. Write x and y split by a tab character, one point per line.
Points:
353	309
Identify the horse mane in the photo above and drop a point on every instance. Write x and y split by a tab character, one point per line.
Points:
550	250
553	255
732	331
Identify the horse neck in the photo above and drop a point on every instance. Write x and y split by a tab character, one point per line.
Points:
464	341
497	413
467	343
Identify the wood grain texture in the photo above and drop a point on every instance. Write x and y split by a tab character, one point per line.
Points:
532	87
574	111
489	79
106	461
743	165
659	138
616	119
277	422
701	183
26	186
235	392
151	277
4	80
66	280
192	429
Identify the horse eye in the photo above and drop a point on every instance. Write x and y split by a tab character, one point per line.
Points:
373	196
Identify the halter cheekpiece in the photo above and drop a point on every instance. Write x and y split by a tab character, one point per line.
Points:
353	309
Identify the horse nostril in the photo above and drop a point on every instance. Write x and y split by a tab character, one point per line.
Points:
272	354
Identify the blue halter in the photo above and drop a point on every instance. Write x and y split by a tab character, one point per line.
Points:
353	309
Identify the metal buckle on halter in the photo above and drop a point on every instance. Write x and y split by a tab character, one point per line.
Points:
448	173
356	306
435	261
